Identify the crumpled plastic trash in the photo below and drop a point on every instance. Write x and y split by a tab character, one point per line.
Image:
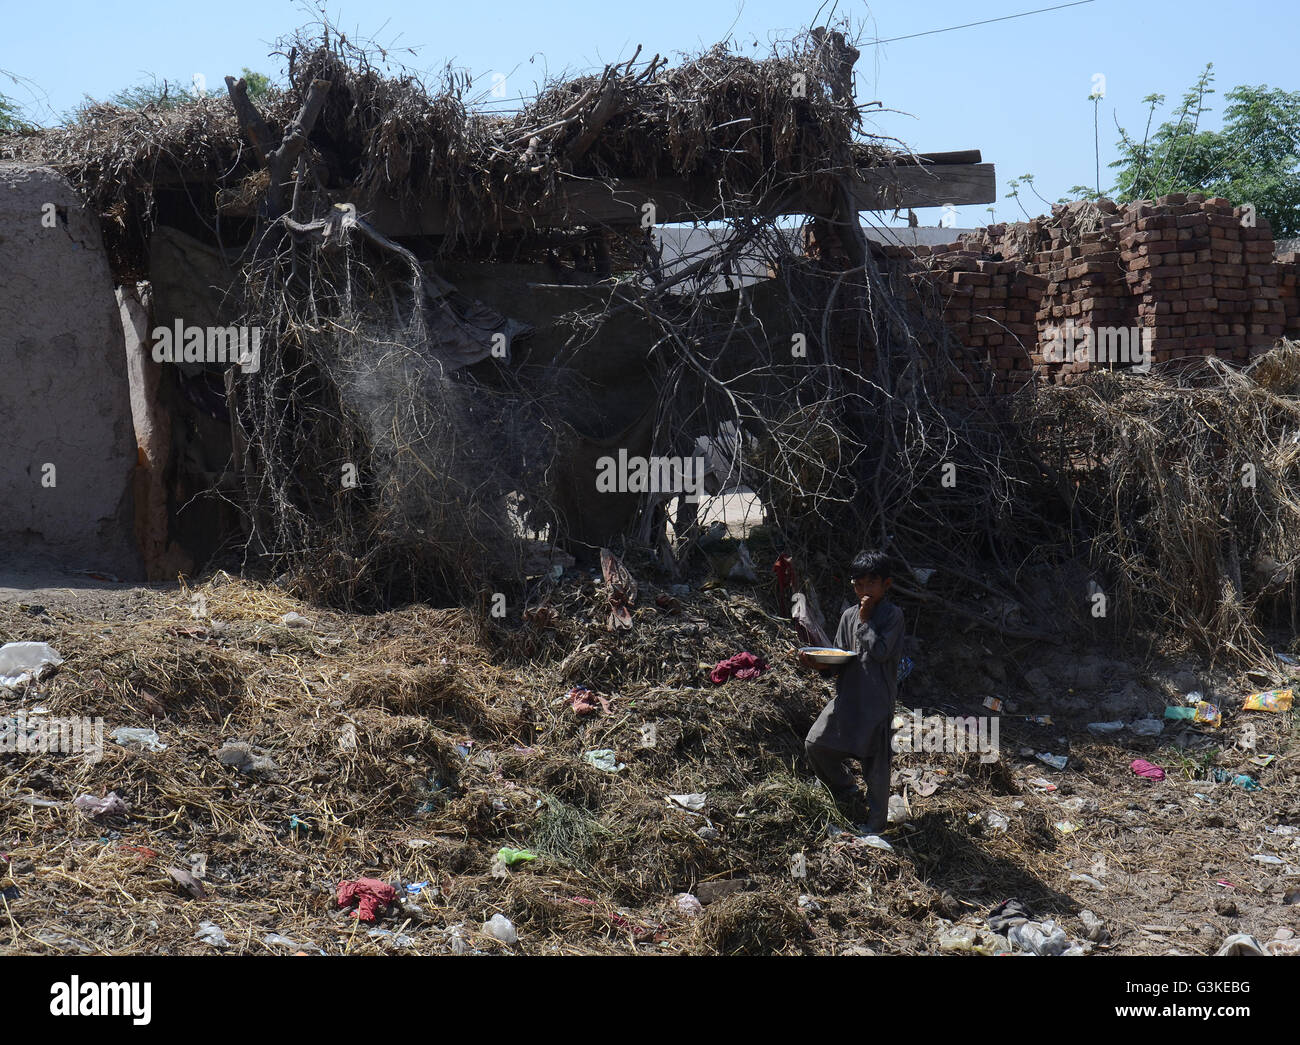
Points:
1242	780
1046	939
1208	715
501	928
510	857
209	933
146	738
689	905
1240	944
246	758
958	938
109	805
287	942
606	759
874	841
398	939
694	801
1105	727
22	662
1146	769
1272	700
293	619
1094	926
995	821
1147	727
1057	761
456	938
967	939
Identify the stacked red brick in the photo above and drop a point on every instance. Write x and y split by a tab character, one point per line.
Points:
987	305
1204	283
1194	275
1085	289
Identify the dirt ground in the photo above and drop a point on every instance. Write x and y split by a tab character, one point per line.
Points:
412	746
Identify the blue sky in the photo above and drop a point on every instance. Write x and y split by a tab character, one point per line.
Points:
1017	89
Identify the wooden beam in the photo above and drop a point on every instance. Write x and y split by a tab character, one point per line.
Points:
962	156
885	188
582	202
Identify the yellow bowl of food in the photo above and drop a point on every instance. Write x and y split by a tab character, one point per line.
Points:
826	656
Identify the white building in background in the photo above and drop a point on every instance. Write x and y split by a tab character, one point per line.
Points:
684	245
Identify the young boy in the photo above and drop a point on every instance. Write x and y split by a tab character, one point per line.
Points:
855	724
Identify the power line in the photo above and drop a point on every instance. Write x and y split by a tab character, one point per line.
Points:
987	21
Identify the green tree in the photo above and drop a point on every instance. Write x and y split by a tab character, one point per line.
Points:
166	94
11	121
1254	159
161	95
258	84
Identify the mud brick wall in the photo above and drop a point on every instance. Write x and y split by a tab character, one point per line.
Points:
988	305
1182	269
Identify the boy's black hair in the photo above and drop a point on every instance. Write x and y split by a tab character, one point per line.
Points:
872	563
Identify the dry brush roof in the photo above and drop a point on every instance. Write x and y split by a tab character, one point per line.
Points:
720	117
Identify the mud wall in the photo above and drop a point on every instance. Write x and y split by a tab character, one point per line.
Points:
65	410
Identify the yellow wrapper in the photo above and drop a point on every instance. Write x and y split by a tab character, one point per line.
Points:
1270	700
1208	715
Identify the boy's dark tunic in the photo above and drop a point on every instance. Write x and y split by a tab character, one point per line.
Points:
856	723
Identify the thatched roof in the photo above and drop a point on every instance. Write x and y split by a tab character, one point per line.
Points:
747	129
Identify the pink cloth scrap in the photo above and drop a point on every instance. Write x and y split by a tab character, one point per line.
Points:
740	666
370	894
1143	768
584	700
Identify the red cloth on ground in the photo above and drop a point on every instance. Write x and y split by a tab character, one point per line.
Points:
740	666
1142	767
370	894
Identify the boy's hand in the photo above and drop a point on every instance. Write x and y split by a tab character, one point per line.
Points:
804	660
864	608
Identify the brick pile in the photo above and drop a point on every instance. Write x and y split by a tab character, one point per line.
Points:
988	306
1085	289
1181	273
1203	284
